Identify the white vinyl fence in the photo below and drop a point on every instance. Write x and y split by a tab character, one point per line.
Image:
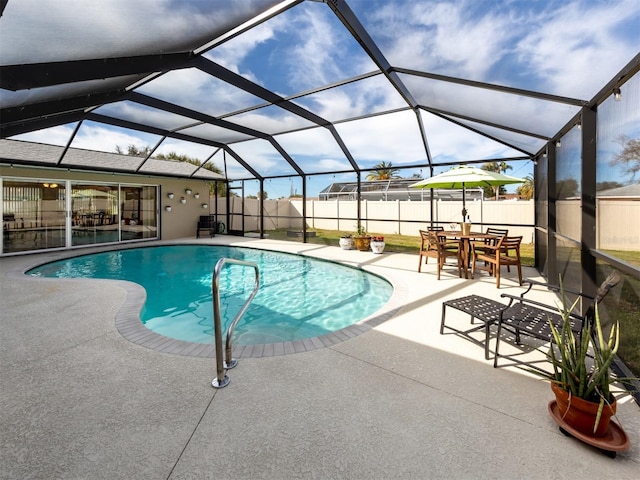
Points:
383	217
407	218
617	227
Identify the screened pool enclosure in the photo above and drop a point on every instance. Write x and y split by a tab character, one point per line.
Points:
106	101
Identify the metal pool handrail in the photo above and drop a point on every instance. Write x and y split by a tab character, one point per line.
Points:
221	379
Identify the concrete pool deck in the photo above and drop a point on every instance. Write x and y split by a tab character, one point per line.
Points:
399	400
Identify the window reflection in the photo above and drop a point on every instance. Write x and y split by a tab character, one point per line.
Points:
568	185
624	306
568	264
138	212
33	215
618	174
94	214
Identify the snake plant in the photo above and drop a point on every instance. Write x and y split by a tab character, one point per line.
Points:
581	363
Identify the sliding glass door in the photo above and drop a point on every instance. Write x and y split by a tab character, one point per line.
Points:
43	214
138	212
33	215
94	214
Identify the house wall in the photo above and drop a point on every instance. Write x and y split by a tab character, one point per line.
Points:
178	223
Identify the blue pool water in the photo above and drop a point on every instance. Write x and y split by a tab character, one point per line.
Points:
299	297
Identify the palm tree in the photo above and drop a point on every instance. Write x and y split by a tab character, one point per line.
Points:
498	167
383	171
526	190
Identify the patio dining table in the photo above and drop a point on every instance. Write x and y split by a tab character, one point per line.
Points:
465	244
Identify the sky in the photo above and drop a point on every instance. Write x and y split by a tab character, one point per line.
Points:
569	48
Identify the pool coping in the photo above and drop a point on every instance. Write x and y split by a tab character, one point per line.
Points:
130	327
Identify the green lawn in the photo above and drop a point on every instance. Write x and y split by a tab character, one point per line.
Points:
394	243
626	256
624	306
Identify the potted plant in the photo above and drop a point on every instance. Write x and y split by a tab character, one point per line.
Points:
361	240
377	244
346	242
581	377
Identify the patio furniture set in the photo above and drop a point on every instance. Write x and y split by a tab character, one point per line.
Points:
490	251
493	248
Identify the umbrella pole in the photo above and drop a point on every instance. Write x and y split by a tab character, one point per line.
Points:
464	208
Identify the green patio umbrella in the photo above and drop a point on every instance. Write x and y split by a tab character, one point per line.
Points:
463	177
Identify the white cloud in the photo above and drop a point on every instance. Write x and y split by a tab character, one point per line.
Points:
467	46
393	137
90	136
270	120
51	136
443	37
312	61
330	164
114	28
577	48
569	47
262	157
317	142
356	99
524	113
234	52
199	91
193	150
450	143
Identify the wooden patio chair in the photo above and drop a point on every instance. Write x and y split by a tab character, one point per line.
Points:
439	247
498	232
494	257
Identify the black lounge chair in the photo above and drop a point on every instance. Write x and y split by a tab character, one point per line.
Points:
479	308
523	316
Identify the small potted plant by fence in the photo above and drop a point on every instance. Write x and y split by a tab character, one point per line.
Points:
346	242
361	240
377	244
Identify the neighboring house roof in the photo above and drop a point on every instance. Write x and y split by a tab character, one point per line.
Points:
627	191
393	189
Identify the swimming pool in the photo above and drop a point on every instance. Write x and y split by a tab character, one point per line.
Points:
299	297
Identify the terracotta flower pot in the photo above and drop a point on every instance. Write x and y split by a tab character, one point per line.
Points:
581	414
362	243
